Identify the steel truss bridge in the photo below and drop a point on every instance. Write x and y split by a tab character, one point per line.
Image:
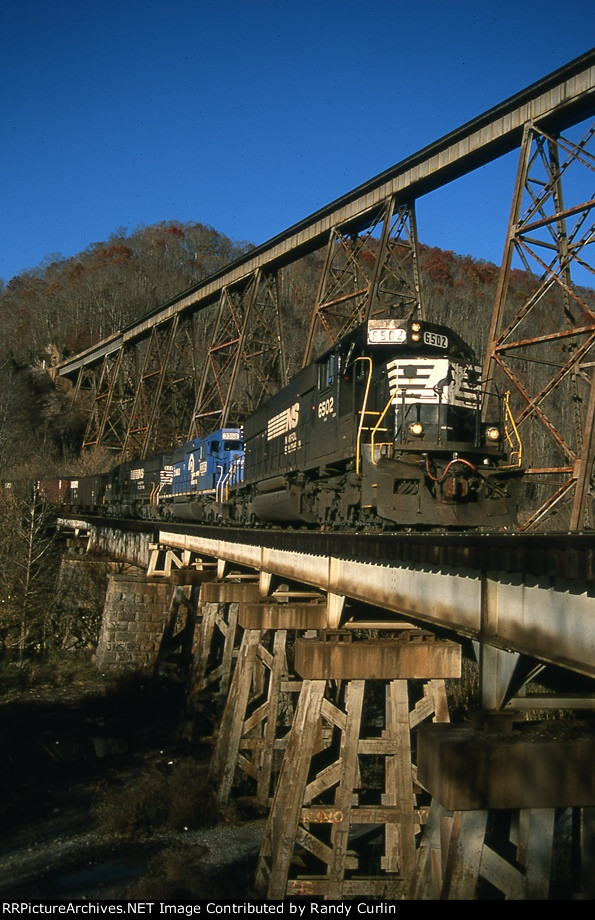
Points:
183	369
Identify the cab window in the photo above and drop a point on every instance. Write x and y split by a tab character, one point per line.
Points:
327	371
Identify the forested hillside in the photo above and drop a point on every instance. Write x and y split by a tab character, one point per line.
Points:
58	309
65	305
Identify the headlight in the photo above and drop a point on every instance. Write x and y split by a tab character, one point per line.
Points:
493	433
416	429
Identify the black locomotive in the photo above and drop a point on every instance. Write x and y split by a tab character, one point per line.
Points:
384	430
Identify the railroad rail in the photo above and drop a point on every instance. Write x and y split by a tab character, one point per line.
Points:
554	555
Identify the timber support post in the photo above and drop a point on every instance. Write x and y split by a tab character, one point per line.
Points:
216	645
258	712
347	805
513	812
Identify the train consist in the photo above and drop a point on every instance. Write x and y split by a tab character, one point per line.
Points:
384	430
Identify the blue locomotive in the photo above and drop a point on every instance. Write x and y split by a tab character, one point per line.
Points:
192	482
202	475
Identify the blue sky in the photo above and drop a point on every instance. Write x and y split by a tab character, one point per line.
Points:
249	115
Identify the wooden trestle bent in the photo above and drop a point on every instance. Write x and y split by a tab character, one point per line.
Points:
341	734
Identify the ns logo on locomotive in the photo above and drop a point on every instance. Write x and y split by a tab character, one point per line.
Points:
383	430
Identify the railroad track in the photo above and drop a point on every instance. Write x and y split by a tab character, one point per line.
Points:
554	555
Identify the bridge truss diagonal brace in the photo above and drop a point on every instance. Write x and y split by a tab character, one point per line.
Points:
245	359
542	348
371	266
106	425
165	388
175	656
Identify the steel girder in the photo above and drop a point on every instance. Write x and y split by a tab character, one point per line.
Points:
144	389
141	392
560	99
542	345
165	388
245	360
222	361
106	421
369	268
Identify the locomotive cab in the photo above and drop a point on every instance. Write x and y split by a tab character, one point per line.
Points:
203	473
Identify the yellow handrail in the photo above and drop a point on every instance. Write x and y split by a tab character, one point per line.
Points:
377	426
362	411
518	450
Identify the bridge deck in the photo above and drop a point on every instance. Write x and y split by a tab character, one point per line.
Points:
528	594
551	619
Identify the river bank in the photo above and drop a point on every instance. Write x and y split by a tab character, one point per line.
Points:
104	799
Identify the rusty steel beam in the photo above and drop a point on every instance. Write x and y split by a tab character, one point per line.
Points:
245	361
542	349
105	421
375	271
149	390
